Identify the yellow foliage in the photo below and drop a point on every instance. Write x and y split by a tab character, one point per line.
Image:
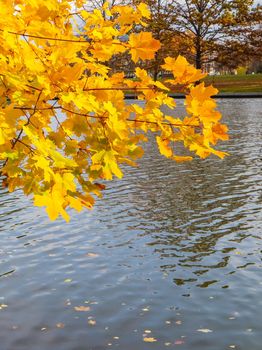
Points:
64	124
182	70
143	46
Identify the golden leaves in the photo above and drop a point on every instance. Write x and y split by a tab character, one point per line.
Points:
53	201
143	46
183	72
64	122
164	147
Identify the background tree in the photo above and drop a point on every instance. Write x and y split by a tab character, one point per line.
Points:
212	24
243	43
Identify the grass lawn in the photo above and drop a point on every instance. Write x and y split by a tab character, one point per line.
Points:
227	83
236	83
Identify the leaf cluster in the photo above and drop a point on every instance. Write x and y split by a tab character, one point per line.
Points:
64	125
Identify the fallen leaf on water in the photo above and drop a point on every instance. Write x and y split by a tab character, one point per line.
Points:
150	340
145	309
92	255
60	325
204	330
82	308
92	322
67	280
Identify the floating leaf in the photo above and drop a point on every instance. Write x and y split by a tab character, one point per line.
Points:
91	322
150	340
60	325
204	330
145	309
67	280
82	308
92	255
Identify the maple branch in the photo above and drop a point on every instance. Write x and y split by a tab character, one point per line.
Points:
28	146
28	122
46	38
61	126
104	117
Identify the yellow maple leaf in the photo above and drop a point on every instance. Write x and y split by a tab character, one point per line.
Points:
164	147
143	46
184	72
144	10
53	201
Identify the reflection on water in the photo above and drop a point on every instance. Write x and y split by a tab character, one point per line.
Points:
174	249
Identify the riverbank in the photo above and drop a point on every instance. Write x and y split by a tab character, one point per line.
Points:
229	86
249	83
234	95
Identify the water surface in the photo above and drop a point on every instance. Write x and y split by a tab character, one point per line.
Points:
172	249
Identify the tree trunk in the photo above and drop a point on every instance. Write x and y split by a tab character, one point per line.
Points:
156	67
198	60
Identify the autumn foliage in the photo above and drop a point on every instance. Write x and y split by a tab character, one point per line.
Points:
64	122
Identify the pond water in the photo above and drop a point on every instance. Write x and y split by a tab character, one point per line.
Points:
172	252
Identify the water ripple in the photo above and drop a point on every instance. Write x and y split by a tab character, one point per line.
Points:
171	248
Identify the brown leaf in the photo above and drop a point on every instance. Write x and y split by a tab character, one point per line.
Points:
82	308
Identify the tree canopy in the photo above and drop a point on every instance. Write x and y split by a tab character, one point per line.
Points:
64	123
214	25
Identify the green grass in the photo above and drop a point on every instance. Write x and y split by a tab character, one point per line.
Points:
236	83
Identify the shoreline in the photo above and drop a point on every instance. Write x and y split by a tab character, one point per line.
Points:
232	95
